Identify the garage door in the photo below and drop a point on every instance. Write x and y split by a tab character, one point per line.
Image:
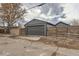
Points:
35	30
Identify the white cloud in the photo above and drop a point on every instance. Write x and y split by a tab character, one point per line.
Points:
33	13
39	12
71	11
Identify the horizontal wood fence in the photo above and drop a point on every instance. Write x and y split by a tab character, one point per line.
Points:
71	31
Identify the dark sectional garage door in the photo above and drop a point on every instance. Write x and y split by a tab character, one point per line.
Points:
35	30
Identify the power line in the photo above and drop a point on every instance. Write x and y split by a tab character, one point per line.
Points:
37	6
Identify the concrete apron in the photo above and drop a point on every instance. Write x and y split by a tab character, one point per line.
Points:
35	38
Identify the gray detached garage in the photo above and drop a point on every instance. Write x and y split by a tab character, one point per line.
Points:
43	28
37	27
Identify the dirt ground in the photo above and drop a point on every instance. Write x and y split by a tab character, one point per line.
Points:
25	46
11	46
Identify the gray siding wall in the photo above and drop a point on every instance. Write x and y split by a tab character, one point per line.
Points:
37	23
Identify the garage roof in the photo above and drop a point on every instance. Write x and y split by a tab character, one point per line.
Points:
50	23
40	20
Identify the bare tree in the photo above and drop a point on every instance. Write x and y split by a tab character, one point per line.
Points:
11	12
75	22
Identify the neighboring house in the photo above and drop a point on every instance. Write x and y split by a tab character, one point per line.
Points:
37	27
